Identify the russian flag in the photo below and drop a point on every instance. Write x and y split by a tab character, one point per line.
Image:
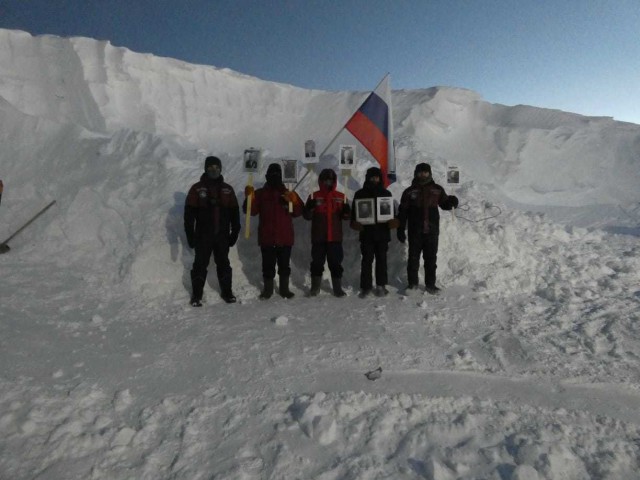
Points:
372	124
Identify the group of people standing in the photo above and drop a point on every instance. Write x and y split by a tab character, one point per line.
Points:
212	226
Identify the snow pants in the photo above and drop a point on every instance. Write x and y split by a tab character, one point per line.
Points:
373	250
427	246
332	252
204	249
276	255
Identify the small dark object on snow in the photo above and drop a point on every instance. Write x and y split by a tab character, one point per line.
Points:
374	374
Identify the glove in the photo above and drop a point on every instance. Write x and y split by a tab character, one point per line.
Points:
454	201
311	204
357	226
249	190
402	236
289	197
393	223
233	238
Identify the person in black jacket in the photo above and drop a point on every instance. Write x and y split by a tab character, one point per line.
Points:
375	238
419	209
212	225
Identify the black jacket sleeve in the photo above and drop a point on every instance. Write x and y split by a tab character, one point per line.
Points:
234	217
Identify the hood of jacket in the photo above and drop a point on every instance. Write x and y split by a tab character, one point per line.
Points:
373	172
327	174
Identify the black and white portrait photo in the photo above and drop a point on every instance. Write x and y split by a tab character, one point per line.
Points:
310	154
365	213
251	160
310	149
385	209
290	171
347	156
453	176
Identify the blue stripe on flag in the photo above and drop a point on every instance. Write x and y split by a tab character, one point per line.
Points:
377	111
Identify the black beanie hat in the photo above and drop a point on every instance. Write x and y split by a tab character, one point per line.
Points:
212	161
373	172
327	174
422	167
274	168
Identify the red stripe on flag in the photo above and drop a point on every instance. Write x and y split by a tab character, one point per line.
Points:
371	138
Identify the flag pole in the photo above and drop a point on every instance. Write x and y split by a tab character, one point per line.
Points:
339	132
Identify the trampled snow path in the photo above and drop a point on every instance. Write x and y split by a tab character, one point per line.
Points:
107	387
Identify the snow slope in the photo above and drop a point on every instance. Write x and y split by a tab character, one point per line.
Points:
527	367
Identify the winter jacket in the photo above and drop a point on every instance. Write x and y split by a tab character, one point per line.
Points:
326	208
378	232
211	211
419	208
276	225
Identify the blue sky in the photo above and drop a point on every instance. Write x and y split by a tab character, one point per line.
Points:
581	56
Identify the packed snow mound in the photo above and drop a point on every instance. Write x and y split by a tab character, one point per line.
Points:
117	137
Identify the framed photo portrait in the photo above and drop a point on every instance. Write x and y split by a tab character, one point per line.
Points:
252	160
289	171
310	154
384	209
347	156
365	213
453	176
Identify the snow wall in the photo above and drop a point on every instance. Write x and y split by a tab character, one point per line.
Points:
117	138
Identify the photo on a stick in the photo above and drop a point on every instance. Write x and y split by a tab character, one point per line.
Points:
310	153
289	171
252	160
347	156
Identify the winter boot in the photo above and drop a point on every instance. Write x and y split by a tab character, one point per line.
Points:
268	289
284	287
197	286
381	291
337	287
225	288
315	286
228	296
364	292
432	289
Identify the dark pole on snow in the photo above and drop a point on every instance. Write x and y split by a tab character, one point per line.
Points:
4	248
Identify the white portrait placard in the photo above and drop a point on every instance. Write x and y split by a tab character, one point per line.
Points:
365	211
251	160
453	176
310	152
384	209
347	157
289	171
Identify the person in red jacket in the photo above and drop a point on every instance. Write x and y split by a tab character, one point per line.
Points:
275	228
211	224
1	190
326	208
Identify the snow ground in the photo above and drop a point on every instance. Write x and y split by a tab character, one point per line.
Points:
527	366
